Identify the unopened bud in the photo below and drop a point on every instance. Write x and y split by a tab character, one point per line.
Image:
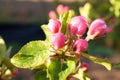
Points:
80	45
58	40
97	28
54	25
52	14
78	25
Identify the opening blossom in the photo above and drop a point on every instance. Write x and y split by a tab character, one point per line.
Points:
61	9
97	29
58	40
80	45
54	25
78	25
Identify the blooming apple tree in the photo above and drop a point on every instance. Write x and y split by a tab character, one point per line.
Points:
59	56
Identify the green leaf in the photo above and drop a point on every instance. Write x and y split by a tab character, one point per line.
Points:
54	69
47	33
66	19
81	75
103	62
116	6
68	68
59	70
85	10
2	47
32	55
41	75
64	22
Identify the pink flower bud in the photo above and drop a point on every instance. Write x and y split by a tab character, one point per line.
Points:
54	25
84	66
80	45
97	28
60	9
58	40
15	73
78	25
77	55
66	8
52	14
108	29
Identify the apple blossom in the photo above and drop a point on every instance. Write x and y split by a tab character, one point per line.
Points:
54	25
52	14
80	45
58	40
66	8
61	9
78	25
108	29
97	28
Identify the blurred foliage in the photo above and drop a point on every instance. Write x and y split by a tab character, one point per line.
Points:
109	10
6	68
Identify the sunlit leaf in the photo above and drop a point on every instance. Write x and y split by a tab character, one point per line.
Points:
32	55
64	22
54	69
68	68
103	62
81	75
85	10
47	33
66	19
59	70
116	6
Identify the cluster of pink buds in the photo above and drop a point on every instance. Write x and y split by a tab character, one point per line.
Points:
59	11
75	40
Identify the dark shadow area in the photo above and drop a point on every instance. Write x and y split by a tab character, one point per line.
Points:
16	35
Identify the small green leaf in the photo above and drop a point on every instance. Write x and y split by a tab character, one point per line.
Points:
2	47
32	55
81	75
85	10
54	68
64	22
103	62
69	67
66	19
41	75
47	33
116	6
59	70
